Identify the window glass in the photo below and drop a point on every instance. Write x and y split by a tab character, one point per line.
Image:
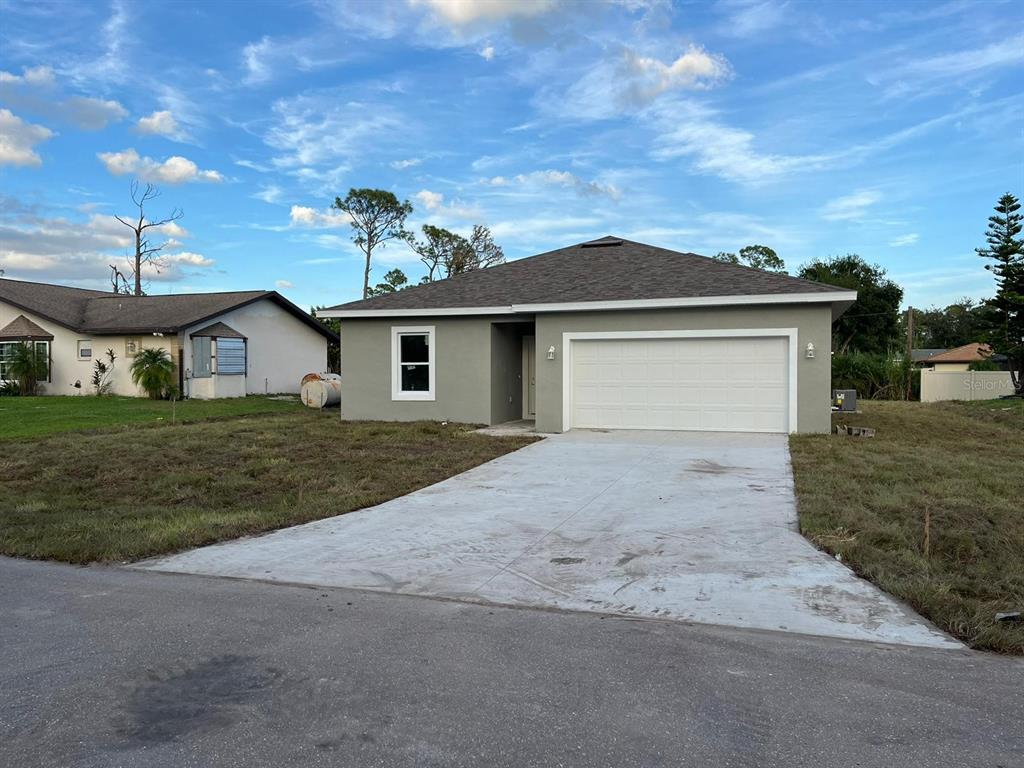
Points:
43	351
6	352
415	378
201	368
415	348
85	350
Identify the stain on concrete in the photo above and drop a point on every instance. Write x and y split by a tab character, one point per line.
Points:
709	467
567	560
211	695
627	557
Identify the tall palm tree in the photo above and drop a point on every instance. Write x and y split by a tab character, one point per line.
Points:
153	370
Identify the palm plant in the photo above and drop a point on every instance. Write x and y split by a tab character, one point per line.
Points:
29	364
153	370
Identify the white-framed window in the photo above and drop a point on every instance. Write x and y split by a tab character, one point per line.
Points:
412	362
7	352
85	349
132	347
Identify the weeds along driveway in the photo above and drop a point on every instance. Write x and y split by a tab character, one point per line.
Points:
670	525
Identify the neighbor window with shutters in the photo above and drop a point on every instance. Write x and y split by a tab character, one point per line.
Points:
230	356
9	348
412	362
201	351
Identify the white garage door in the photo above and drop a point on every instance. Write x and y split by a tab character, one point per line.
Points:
724	384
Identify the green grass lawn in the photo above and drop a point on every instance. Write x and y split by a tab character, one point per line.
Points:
930	509
25	417
129	493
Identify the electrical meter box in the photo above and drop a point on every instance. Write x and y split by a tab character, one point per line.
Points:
844	400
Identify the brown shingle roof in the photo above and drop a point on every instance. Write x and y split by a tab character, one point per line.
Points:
218	331
608	269
968	353
21	328
99	312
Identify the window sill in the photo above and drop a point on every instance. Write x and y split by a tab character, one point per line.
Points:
413	396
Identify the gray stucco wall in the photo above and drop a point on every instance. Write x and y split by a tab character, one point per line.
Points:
462	369
812	321
473	358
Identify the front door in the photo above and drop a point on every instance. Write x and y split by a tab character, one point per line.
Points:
529	377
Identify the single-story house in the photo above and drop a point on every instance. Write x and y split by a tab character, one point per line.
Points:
606	334
223	344
918	356
959	358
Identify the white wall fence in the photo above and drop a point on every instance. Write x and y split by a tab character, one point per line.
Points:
964	385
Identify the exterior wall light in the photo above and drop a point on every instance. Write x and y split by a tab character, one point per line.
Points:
810	351
551	352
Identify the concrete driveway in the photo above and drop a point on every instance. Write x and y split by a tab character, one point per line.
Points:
680	526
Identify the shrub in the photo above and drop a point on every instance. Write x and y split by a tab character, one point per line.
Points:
876	377
30	367
153	370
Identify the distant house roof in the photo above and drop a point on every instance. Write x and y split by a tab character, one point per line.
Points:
23	329
103	313
609	269
218	331
968	353
920	355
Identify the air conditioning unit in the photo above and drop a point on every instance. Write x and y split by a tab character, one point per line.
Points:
844	400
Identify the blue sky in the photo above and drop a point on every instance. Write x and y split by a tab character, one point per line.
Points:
884	129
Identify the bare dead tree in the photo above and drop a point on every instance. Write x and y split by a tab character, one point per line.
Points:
118	281
145	252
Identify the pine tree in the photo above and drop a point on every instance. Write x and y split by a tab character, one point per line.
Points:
1006	308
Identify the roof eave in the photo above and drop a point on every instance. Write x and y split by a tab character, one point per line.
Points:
840	300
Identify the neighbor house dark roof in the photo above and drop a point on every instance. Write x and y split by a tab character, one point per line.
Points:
102	313
608	269
218	331
23	329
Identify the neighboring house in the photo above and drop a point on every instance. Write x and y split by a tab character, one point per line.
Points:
222	344
918	356
608	334
960	358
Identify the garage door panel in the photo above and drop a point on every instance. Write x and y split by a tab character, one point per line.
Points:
726	384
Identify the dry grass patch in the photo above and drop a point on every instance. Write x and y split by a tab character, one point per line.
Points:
930	509
134	493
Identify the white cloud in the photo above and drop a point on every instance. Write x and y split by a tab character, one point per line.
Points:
160	123
270	193
751	19
263	59
58	249
904	240
850	207
431	200
1004	53
190	259
401	165
39	76
92	114
461	13
303	216
282	285
690	130
173	170
18	140
549	177
630	81
435	204
487	53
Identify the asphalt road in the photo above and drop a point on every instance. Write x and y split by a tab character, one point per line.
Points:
110	667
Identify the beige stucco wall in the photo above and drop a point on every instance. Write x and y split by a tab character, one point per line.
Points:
813	324
280	350
940	385
950	367
66	368
469	357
